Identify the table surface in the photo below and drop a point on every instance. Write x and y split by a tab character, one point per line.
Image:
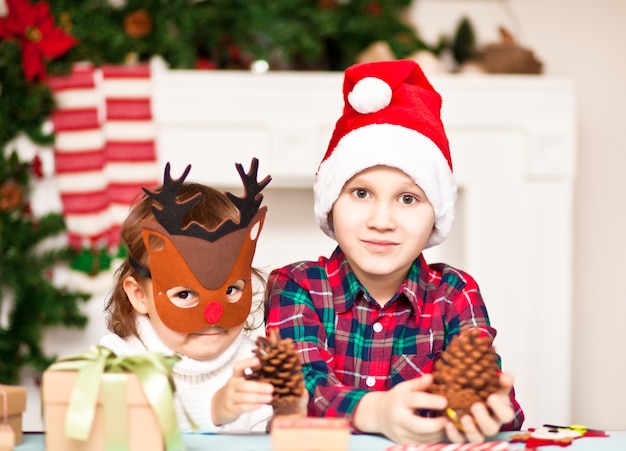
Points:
261	442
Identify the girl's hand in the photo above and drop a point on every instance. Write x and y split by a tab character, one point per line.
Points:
240	395
487	418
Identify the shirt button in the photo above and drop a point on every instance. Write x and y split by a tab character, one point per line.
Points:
378	327
370	381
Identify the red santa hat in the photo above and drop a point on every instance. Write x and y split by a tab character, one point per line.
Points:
391	117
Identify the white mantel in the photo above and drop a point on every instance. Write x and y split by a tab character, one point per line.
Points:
513	143
286	118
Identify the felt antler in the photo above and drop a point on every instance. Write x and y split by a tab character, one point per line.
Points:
249	204
171	211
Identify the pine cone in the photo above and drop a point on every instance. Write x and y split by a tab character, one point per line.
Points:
467	372
280	366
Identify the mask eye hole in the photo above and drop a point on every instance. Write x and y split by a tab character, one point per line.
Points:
235	291
183	297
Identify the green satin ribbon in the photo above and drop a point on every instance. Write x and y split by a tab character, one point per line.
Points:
100	365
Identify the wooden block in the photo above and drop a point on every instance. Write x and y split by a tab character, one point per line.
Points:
310	434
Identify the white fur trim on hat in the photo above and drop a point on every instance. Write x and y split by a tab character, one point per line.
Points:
395	146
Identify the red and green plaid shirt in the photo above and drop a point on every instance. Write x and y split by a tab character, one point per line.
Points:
350	345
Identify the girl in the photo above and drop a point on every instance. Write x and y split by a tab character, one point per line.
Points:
186	289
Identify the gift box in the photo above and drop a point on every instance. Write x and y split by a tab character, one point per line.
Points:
98	401
16	404
310	434
7	437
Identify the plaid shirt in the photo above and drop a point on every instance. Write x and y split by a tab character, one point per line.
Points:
350	345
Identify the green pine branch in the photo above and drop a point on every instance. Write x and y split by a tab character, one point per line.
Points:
30	302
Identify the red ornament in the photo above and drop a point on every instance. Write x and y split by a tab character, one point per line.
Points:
37	167
234	52
374	9
203	63
327	4
33	25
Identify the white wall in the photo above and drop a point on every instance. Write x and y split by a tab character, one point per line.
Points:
583	40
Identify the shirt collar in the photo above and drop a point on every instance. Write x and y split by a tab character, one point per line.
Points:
347	289
414	286
344	284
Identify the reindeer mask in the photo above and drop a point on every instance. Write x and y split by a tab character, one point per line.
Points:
207	262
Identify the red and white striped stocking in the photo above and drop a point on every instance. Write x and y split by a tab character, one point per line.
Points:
129	131
104	149
80	157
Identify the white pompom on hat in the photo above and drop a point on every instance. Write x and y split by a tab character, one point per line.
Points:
391	117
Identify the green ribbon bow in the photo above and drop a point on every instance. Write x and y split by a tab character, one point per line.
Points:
99	364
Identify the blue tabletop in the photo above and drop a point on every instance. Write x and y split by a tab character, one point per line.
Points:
261	442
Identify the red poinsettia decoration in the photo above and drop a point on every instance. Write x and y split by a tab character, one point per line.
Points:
41	40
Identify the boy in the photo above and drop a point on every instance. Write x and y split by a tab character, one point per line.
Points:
374	316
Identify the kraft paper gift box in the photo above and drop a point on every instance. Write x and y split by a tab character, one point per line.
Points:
16	404
97	402
7	437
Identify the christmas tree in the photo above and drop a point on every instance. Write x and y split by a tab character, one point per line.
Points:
29	301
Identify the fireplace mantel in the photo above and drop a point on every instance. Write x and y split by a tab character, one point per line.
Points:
286	118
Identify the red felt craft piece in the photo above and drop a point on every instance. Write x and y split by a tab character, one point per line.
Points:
482	446
533	442
595	434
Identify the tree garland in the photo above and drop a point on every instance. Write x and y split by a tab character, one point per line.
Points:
38	38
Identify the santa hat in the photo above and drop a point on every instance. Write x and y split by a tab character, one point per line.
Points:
391	117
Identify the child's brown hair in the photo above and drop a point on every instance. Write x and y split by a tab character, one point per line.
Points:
213	208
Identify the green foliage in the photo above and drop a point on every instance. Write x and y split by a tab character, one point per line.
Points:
464	42
99	26
230	34
318	35
359	23
29	301
24	106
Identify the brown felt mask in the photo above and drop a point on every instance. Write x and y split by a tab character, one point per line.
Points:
207	262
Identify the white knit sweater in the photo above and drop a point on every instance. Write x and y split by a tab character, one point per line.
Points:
196	380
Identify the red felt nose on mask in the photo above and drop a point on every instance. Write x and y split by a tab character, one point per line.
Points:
213	312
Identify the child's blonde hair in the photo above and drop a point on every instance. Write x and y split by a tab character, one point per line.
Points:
213	208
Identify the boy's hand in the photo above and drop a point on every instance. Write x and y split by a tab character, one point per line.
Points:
240	395
392	413
487	418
